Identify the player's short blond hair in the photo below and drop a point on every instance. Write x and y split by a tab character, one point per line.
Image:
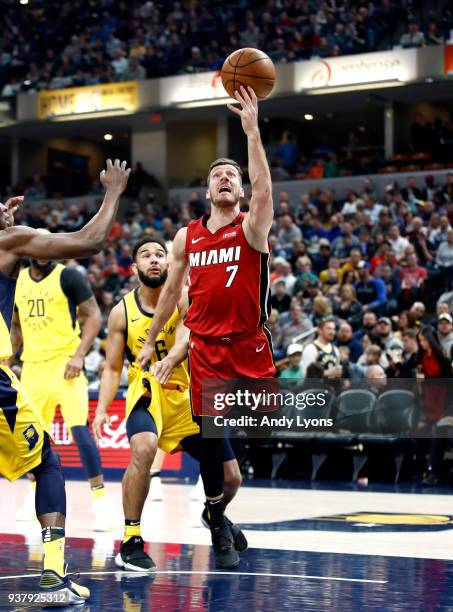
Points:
222	161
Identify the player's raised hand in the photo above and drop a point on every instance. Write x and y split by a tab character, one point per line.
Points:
145	356
249	108
161	370
73	367
115	177
11	205
101	418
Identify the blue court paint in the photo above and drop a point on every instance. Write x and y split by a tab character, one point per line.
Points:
266	580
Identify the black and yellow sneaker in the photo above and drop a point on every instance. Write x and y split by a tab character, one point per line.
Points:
239	539
132	556
225	555
61	590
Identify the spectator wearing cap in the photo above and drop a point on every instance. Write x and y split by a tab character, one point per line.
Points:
445	333
294	369
341	246
370	291
444	260
385	333
280	300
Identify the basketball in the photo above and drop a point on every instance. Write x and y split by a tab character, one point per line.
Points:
248	67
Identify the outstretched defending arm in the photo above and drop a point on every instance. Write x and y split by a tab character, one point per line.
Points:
20	240
258	222
169	297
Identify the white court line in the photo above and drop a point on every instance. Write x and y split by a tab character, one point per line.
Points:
213	573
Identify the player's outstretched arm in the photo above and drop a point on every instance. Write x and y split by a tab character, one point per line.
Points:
179	351
169	296
21	240
259	220
111	376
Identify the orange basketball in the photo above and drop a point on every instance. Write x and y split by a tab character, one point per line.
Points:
248	67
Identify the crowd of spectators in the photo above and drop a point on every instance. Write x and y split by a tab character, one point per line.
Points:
52	45
361	285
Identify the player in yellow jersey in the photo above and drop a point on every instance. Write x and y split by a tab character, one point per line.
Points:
158	407
51	300
25	445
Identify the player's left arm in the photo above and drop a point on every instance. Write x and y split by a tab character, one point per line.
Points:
163	369
258	221
16	334
81	296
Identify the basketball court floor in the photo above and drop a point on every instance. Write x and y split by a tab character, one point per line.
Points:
322	547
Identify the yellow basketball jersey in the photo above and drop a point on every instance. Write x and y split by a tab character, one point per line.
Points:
138	322
47	319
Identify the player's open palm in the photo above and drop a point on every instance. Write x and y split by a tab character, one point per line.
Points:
115	177
11	205
161	370
101	418
249	108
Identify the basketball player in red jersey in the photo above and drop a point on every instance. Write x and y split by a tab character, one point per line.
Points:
227	258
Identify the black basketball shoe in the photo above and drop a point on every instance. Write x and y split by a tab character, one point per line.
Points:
239	539
225	555
132	556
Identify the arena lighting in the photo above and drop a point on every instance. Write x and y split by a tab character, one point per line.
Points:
91	115
360	86
23	1
108	137
308	117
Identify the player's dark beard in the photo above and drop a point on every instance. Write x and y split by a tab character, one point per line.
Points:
156	281
43	267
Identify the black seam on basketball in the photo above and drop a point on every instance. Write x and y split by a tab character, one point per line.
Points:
251	76
239	57
258	59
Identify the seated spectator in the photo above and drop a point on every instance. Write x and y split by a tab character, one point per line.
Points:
403	360
398	243
298	324
347	306
385	334
321	309
294	369
445	333
345	338
341	246
444	260
376	379
413	277
392	283
373	355
288	232
370	291
280	300
413	37
432	36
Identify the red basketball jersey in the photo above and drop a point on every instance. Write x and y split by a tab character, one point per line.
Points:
228	281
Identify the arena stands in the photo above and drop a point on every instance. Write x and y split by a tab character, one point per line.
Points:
49	45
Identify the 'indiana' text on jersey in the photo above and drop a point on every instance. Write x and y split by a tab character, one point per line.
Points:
228	280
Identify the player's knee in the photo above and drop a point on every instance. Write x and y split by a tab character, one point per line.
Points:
143	451
232	475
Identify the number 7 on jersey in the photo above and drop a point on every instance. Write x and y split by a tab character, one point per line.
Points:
233	270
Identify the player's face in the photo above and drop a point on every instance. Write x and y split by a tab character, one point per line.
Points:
42	265
151	265
224	189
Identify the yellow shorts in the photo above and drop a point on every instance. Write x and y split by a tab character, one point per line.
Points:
169	408
21	428
48	389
